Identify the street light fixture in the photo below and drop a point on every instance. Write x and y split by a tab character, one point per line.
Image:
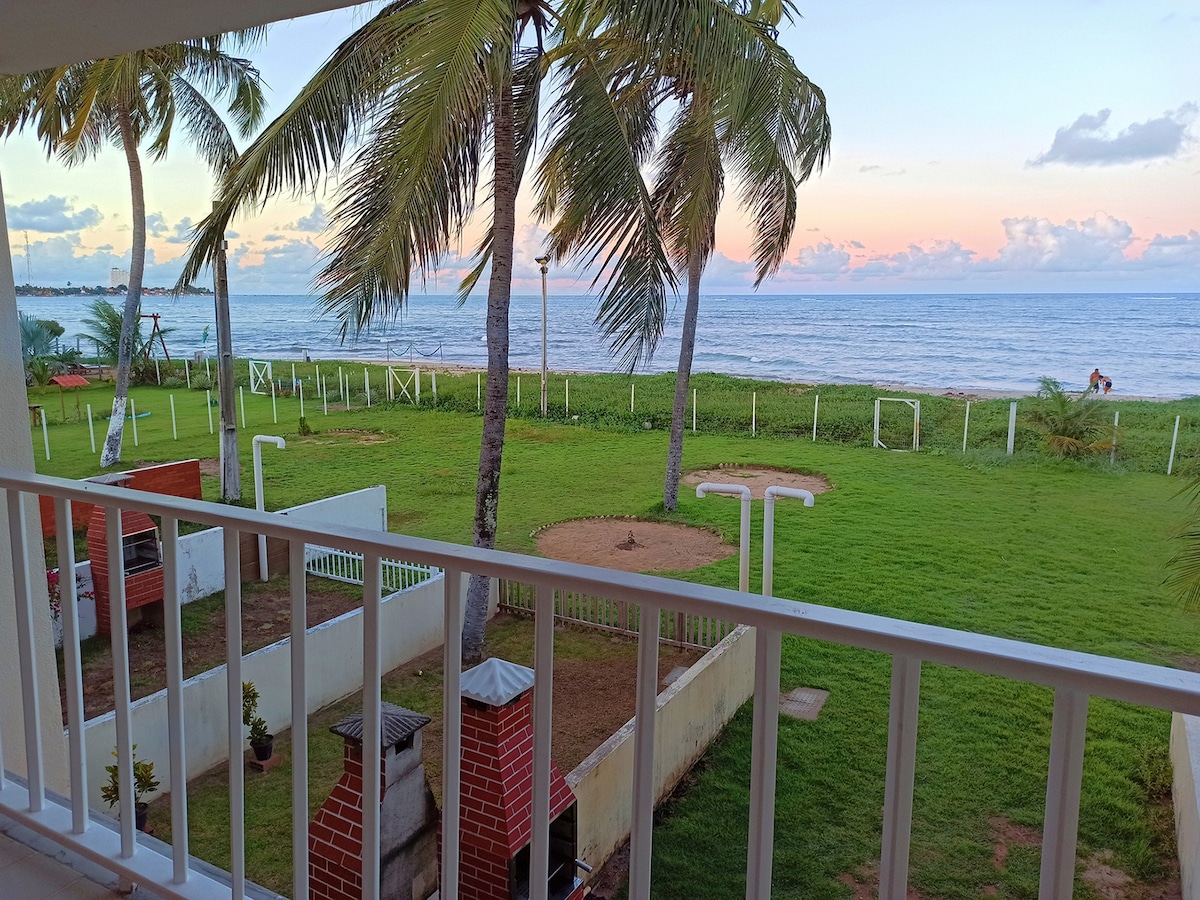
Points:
542	261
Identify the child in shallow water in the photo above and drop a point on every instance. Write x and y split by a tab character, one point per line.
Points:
1107	385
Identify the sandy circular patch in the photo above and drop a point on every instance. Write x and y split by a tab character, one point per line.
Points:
758	479
656	546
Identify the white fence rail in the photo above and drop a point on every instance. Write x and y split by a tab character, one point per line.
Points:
1074	677
348	567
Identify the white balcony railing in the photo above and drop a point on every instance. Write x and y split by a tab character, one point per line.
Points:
1073	676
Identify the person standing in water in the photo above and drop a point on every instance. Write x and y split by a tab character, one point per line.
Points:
1094	381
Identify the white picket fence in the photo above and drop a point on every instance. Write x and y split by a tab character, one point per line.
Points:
345	566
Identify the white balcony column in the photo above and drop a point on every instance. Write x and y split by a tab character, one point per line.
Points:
17	452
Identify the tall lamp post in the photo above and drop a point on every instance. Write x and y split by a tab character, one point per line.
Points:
542	261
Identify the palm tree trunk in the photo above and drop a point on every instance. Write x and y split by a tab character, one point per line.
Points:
683	375
495	408
133	298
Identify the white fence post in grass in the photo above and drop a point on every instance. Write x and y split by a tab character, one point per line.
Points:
816	406
875	440
208	406
300	394
754	413
293	377
132	416
46	433
274	407
631	398
157	374
518	392
341	389
478	390
242	400
318	382
1170	461
174	430
567	396
187	373
1112	456
433	383
966	422
207	373
367	386
92	432
693	410
1012	426
417	383
325	396
388	388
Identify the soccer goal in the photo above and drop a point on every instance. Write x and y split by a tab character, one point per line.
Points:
916	429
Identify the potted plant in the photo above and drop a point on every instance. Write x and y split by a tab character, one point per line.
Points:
144	783
261	742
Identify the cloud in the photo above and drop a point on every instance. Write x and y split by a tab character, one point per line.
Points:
869	168
1085	142
823	259
156	225
182	232
879	170
54	215
1039	245
315	221
943	260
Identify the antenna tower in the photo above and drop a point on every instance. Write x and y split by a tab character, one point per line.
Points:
28	261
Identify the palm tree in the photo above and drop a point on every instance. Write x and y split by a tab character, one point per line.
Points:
106	323
737	101
125	100
1185	564
1070	426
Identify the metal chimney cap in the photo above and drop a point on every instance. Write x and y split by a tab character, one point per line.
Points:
399	724
496	681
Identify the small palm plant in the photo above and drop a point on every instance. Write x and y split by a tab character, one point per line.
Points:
260	739
1069	425
1185	564
144	783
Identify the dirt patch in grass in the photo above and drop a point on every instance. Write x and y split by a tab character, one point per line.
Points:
865	884
266	618
1006	834
632	545
759	478
359	435
1110	883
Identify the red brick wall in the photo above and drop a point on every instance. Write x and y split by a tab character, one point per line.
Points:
140	588
177	479
335	836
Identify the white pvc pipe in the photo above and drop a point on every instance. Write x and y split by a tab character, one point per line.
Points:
259	440
1012	426
754	413
325	396
567	397
518	392
735	490
300	394
367	386
92	430
417	383
693	410
318	380
46	433
157	374
208	405
274	408
478	390
1112	456
187	373
174	429
133	418
207	373
769	528
966	422
631	398
242	399
433	384
1170	462
875	441
816	406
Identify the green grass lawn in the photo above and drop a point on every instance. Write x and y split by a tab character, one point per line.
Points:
1025	547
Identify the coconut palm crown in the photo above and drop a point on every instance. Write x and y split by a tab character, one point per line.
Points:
127	101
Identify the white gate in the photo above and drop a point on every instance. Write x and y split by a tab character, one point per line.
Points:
397	380
916	408
260	375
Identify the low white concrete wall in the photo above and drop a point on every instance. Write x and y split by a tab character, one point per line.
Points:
1185	792
689	714
410	622
202	553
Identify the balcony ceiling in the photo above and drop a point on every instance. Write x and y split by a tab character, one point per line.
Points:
38	34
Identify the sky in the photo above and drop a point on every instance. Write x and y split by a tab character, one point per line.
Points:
978	147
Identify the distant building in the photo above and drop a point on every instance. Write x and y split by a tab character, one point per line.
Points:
118	277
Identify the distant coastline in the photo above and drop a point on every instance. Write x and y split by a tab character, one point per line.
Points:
37	290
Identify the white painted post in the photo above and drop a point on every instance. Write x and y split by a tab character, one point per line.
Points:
433	381
764	755
754	413
417	383
46	432
187	373
390	389
642	814
299	599
207	373
1012	426
917	426
452	727
693	410
816	406
567	396
518	392
92	432
875	441
242	401
157	374
1170	461
132	416
300	394
293	376
274	407
174	430
1112	456
735	490
367	386
542	715
341	388
966	422
898	784
259	501
208	405
325	395
318	381
478	390
1062	794
631	398
173	638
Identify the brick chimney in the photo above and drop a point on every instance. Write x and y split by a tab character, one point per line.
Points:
497	790
408	816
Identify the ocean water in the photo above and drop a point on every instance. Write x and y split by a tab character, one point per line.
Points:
1149	344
